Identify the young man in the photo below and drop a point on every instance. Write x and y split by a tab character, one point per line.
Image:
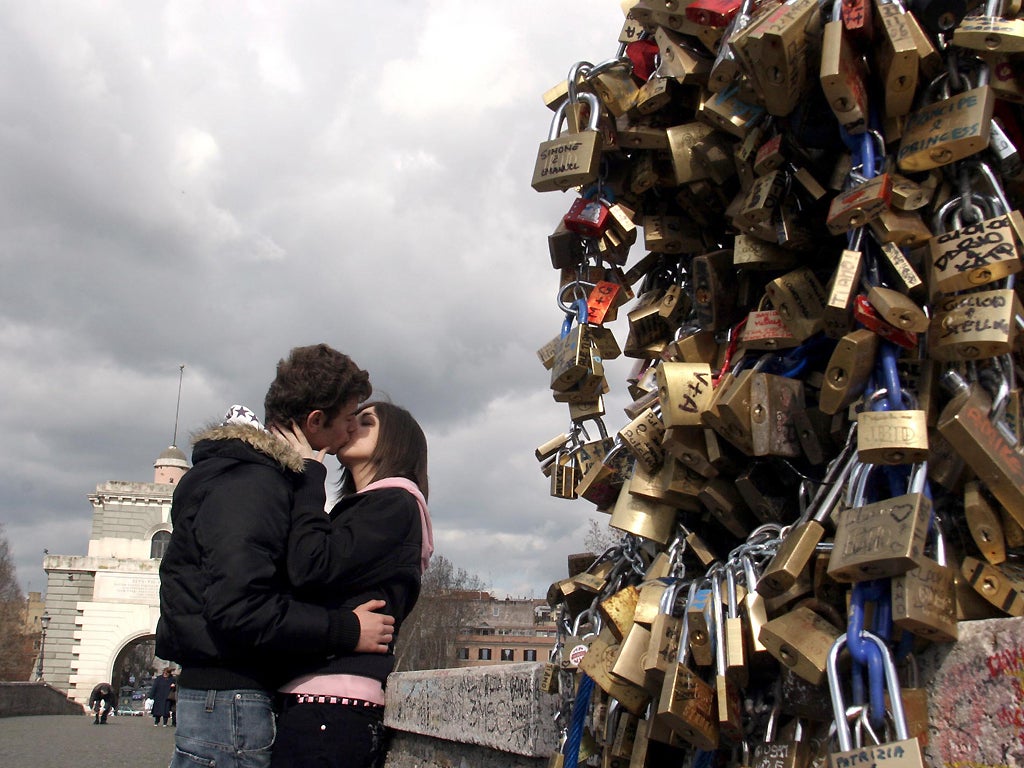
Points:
226	611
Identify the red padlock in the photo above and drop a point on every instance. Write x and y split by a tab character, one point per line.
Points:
865	314
712	13
643	54
587	217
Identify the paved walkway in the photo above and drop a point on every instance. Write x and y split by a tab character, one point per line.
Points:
72	741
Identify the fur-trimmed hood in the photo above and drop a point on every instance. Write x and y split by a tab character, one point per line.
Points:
258	439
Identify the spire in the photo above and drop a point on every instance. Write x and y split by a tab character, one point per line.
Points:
172	464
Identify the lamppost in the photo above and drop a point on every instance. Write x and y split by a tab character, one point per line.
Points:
44	621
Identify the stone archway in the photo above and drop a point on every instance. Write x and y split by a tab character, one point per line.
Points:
135	665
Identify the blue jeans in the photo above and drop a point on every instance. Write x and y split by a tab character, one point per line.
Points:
227	729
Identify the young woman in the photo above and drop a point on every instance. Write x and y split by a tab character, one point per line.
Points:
375	544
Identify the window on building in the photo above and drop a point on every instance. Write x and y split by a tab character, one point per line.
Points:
463	653
507	654
529	655
159	543
483	654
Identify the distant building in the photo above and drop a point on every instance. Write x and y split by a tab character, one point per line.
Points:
104	603
503	630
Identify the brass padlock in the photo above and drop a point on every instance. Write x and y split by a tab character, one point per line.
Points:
774	402
897	309
946	131
924	598
800	300
643	438
848	370
598	663
965	422
1001	585
714	290
976	254
838	311
687	703
984	524
842	74
975	325
860	204
800	640
684	391
727	694
882	538
896	57
570	159
641	517
892	437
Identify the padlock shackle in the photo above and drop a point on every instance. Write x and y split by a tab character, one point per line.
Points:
836	690
592	120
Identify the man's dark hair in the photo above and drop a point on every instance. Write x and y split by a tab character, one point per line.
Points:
314	378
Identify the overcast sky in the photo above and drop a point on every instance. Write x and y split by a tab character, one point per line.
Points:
213	183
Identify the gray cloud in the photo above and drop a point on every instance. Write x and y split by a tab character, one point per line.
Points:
212	184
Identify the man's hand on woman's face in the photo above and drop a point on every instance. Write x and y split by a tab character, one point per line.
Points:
297	440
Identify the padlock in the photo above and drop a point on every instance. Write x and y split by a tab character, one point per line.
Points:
687	703
800	300
684	391
975	325
848	369
883	538
617	610
842	74
859	205
837	313
897	309
588	217
892	437
641	517
976	254
754	608
570	159
903	753
896	58
984	524
727	690
734	630
714	290
985	447
941	133
663	646
598	662
643	438
1001	585
774	403
800	640
924	598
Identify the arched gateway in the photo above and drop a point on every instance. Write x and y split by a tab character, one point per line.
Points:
107	601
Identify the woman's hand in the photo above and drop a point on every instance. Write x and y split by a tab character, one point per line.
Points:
297	440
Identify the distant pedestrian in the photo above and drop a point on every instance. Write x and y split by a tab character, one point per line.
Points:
160	692
101	702
172	700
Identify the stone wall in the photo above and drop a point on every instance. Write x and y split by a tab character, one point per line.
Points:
18	699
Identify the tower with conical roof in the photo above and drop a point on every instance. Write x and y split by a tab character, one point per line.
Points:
170	465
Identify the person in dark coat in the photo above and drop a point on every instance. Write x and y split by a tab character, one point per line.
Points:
101	701
160	692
